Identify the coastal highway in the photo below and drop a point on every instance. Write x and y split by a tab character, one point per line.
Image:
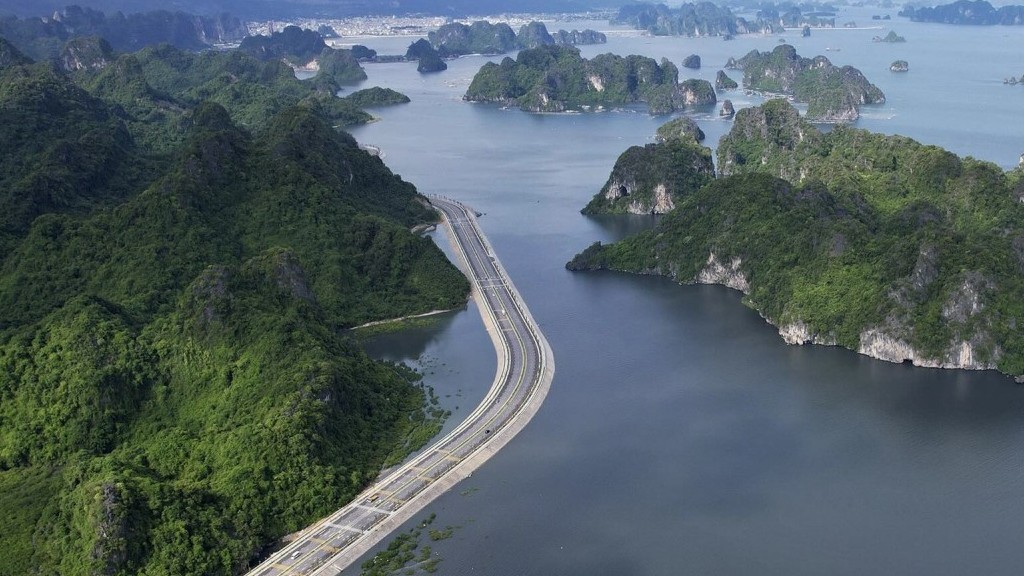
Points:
525	370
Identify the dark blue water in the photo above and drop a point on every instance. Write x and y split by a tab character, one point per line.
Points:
681	435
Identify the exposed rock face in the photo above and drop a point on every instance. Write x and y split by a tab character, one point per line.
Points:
727	274
727	109
290	277
899	66
110	548
732	64
965	301
883	346
723	82
91	53
650	179
692	61
694	92
776	128
798	333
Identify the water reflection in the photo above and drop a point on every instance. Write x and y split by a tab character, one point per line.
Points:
409	345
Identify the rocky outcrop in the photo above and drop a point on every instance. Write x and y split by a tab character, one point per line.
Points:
533	35
482	37
296	45
428	58
762	136
557	78
579	37
651	179
978	12
684	128
110	547
431	63
832	93
695	92
691	19
727	109
723	82
899	66
692	62
877	343
728	274
798	333
891	38
87	53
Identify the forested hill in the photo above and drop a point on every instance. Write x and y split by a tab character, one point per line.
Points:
556	78
41	37
896	249
175	389
967	12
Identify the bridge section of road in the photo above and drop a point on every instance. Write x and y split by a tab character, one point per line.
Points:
525	370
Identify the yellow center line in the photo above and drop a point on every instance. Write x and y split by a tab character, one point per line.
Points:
508	399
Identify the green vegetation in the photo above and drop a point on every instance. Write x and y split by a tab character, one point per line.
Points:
683	128
339	67
966	12
154	89
300	47
428	58
442	534
376	96
652	179
847	232
724	82
689	19
557	78
401	556
832	94
892	37
296	45
178	390
43	39
481	37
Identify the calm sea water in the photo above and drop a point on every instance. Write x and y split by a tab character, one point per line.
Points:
681	435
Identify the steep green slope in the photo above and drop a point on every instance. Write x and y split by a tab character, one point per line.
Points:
155	87
877	243
63	151
176	389
651	179
832	93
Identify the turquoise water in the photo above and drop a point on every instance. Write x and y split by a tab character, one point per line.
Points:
681	435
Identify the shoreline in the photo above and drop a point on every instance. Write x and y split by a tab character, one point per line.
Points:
401	318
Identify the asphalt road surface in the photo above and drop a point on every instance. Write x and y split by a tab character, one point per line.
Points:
525	369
